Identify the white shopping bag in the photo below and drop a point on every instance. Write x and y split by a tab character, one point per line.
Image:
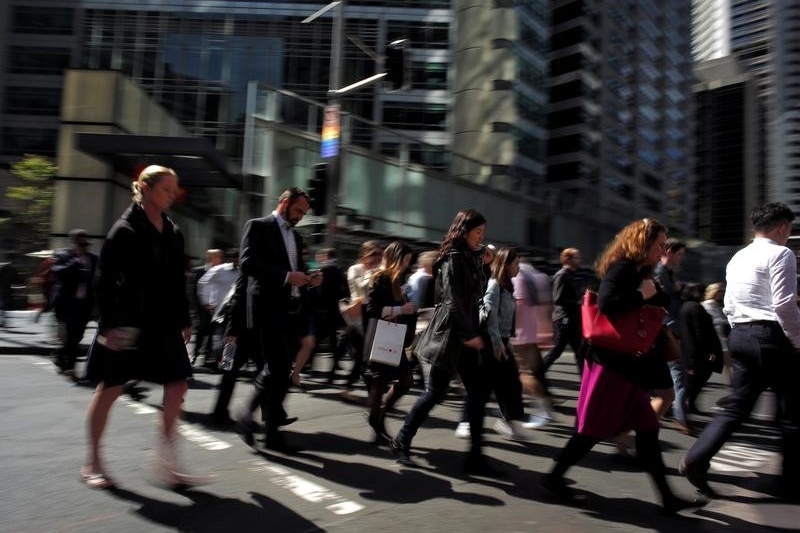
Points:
387	343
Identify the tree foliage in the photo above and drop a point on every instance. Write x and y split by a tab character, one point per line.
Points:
35	199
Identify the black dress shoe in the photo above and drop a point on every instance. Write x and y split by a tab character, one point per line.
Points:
674	504
221	420
279	444
479	466
381	440
287	421
559	490
696	478
245	429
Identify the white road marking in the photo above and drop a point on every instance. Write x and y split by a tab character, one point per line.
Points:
308	490
201	438
739	457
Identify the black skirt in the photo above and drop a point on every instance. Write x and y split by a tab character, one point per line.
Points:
159	357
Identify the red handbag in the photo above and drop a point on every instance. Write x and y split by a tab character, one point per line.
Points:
633	333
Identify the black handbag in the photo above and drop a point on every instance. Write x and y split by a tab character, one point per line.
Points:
436	343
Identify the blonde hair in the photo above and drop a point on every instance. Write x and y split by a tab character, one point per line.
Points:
712	290
150	176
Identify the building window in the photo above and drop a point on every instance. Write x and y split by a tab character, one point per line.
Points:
421	34
45	21
33	100
37	60
429	76
415	116
21	141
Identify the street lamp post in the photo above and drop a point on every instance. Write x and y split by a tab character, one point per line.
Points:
335	162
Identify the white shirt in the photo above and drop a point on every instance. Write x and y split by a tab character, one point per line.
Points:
762	285
287	232
215	284
358	281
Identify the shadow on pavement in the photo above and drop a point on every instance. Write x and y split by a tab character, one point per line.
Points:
208	513
647	515
392	484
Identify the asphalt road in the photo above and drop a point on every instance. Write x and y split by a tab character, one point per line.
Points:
340	482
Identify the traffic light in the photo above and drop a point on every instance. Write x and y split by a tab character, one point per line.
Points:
398	65
318	189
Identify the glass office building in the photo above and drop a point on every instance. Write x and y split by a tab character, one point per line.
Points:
620	116
195	58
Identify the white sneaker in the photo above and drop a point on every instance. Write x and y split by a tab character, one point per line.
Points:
512	430
537	421
462	431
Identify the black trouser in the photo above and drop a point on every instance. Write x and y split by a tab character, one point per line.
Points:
246	348
695	383
278	342
74	320
503	380
477	388
648	450
356	338
566	331
204	333
761	357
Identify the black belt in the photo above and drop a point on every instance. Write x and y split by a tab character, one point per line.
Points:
770	323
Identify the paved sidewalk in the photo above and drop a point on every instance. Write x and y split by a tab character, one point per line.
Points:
22	334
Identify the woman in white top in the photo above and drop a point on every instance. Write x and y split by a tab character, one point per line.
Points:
358	280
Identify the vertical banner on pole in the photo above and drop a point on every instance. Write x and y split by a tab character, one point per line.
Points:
331	132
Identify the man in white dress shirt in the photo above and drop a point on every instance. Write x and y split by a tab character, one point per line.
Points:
761	306
212	288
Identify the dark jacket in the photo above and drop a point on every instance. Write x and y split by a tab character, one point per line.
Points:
70	272
332	289
380	296
265	262
141	281
699	339
565	295
458	292
619	293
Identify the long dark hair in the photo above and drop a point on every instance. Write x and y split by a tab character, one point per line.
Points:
500	265
465	221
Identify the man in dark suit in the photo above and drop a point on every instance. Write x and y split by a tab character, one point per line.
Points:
73	296
271	259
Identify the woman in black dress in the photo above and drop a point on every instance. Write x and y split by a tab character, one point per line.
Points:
144	320
386	383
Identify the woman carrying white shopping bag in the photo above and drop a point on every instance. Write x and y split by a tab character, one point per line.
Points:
389	330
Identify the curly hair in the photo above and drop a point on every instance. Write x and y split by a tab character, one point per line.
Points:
393	266
631	243
500	266
465	221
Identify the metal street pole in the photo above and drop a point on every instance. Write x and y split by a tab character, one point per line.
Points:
335	164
